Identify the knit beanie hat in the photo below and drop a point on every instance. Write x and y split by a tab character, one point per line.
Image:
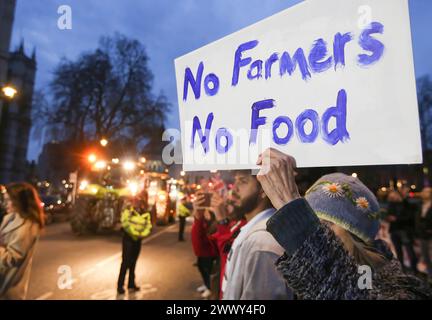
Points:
347	202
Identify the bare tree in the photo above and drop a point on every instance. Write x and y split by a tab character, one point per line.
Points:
106	93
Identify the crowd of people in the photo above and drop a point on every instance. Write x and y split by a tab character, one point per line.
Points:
265	241
409	221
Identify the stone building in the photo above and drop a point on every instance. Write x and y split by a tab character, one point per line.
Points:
7	9
17	69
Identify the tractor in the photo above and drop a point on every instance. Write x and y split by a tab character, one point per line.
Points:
104	190
162	193
100	198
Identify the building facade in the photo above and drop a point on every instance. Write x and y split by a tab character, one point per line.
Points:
7	10
19	70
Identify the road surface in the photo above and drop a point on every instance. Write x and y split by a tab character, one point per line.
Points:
66	266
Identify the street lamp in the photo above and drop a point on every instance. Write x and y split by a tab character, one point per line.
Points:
92	158
103	142
9	92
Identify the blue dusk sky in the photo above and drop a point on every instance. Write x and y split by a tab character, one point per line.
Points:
167	28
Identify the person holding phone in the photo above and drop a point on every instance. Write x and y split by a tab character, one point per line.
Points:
203	247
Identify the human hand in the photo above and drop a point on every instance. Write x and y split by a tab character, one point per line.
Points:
218	206
197	204
277	177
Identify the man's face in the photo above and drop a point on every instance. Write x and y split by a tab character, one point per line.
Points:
246	193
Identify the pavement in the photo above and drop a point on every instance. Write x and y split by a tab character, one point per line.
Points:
66	266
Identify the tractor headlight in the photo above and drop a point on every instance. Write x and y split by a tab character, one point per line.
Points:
133	187
83	185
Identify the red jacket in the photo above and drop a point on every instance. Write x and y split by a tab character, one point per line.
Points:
216	244
201	243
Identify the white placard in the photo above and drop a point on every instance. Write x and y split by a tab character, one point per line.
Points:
330	82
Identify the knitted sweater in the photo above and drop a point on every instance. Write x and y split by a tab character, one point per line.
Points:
317	266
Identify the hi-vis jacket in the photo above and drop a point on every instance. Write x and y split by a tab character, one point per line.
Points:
183	211
136	225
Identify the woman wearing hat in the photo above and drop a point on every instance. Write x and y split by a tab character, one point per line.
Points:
329	237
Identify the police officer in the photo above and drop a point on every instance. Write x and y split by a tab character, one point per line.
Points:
136	223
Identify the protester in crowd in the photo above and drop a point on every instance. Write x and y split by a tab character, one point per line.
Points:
203	248
328	237
19	233
383	233
183	213
250	272
424	228
401	215
136	225
228	225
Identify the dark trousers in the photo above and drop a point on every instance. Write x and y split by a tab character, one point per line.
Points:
425	245
130	253
405	239
182	225
205	265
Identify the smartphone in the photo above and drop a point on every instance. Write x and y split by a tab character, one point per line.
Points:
207	200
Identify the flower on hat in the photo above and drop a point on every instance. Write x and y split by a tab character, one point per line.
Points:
333	190
362	203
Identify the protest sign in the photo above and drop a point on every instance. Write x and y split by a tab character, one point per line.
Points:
329	82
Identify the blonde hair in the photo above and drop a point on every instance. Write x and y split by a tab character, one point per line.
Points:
362	252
